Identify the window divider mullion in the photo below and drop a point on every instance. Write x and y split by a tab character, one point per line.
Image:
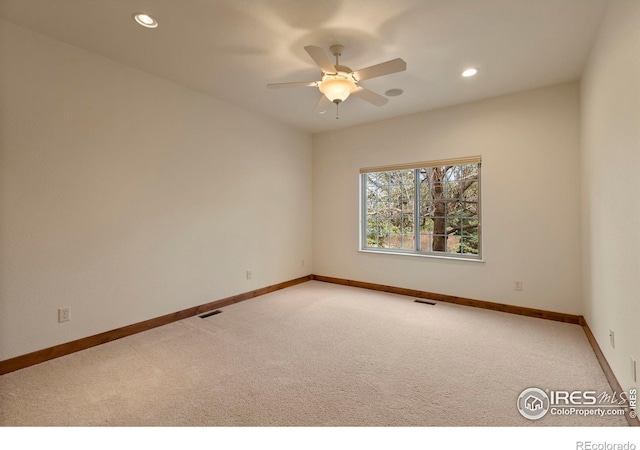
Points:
416	209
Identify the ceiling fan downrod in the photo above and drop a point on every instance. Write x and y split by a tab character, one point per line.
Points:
336	50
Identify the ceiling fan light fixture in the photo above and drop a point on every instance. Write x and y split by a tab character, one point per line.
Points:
336	88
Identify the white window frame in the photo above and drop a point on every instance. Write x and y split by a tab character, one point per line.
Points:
420	253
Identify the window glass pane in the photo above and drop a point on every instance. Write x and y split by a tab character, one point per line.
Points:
389	209
426	241
439	243
384	209
454	209
469	209
426	225
451	190
372	240
470	246
408	242
406	224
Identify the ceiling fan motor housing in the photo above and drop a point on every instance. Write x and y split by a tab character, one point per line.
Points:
336	50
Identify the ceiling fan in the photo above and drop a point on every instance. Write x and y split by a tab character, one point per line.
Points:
338	81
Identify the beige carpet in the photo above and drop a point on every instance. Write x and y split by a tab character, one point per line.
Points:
314	354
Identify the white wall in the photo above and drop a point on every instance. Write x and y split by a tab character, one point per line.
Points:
126	197
529	143
610	92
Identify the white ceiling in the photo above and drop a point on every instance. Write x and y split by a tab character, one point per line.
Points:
231	49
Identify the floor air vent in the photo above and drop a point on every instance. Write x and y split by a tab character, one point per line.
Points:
212	313
425	302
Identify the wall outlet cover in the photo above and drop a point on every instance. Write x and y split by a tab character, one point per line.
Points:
63	315
612	338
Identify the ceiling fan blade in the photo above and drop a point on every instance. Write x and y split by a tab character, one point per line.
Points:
321	58
294	84
370	96
323	104
385	68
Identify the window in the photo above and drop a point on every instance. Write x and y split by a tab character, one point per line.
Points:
425	208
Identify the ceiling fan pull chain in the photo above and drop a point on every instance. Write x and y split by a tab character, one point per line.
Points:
337	110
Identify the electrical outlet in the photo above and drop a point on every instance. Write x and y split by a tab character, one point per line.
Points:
634	372
248	274
517	285
612	338
63	315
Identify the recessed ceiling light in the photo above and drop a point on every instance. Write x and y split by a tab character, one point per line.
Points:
469	72
393	92
145	20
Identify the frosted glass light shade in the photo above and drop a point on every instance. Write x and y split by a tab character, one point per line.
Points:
337	89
